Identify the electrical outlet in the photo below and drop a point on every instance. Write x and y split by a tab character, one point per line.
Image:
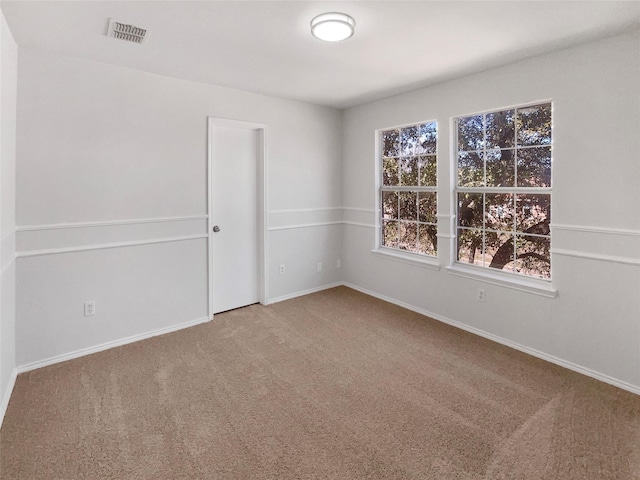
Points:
282	270
481	295
338	263
319	267
89	308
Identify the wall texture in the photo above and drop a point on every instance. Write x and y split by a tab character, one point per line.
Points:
8	78
112	200
594	322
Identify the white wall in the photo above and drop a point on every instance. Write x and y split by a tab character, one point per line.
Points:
101	143
594	323
8	77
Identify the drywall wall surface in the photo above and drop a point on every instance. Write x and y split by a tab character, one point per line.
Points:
136	289
307	273
8	113
594	322
112	198
8	84
129	144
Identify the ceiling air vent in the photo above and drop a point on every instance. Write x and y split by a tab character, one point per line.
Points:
124	31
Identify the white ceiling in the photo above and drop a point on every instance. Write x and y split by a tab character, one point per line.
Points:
266	47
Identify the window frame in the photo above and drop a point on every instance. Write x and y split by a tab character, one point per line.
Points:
396	254
517	281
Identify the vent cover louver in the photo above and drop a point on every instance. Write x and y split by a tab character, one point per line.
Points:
129	33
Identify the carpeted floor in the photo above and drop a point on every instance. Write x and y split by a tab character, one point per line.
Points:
334	385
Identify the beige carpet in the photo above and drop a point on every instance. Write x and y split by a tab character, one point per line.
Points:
333	385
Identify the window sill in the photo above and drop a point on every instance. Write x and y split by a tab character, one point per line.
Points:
528	285
408	258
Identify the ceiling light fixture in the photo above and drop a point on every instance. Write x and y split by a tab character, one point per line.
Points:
333	26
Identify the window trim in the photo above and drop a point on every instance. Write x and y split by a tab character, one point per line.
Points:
415	259
540	286
420	260
514	281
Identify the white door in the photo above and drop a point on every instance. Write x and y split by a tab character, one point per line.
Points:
234	217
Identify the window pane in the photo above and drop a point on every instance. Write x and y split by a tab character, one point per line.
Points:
428	171
408	163
427	239
408	140
427	207
470	246
534	125
534	167
390	234
428	138
409	171
470	170
470	134
533	214
501	130
499	211
500	168
498	251
390	171
470	210
408	236
390	205
408	205
390	143
532	256
499	154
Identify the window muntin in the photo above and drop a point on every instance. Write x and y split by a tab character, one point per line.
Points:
503	190
408	197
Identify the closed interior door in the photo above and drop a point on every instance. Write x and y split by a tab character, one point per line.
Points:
234	207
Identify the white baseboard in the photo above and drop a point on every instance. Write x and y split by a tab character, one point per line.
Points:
531	351
303	292
7	394
105	346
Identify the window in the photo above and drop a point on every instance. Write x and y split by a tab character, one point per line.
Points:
503	190
408	189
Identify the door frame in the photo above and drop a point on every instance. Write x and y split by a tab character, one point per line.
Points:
261	211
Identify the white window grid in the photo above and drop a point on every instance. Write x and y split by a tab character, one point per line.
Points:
404	188
410	189
509	190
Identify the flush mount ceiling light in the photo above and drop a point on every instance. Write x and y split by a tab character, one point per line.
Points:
333	26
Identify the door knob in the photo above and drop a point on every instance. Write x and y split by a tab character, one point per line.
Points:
216	228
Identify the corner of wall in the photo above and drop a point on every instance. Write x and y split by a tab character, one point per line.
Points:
8	97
